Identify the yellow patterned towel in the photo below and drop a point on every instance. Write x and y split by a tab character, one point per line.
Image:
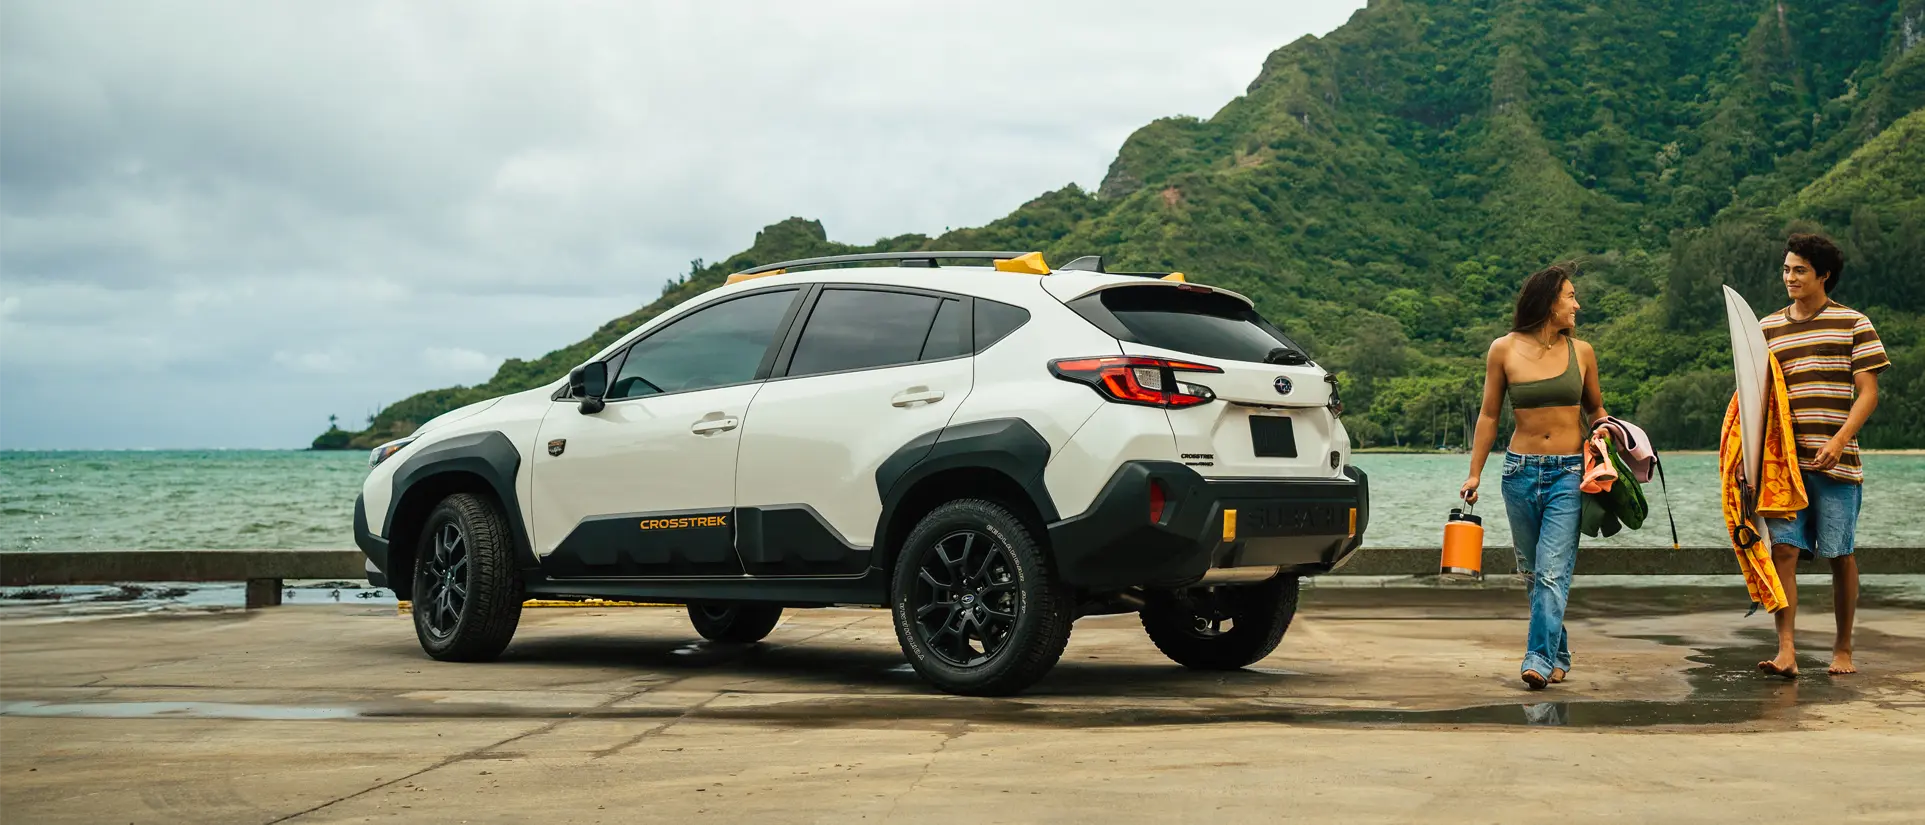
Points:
1779	493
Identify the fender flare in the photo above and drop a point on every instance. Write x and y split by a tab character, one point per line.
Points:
1006	445
489	455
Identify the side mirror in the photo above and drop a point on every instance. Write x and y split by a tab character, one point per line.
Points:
589	382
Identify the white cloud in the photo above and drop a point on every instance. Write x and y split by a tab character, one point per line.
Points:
464	366
321	362
188	190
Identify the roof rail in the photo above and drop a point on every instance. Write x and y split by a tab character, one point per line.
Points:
1094	263
1030	262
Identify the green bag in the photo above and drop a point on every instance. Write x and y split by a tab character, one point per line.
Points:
1621	506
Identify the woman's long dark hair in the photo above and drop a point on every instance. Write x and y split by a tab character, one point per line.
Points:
1539	294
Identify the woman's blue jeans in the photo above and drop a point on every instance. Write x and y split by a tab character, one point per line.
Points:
1542	499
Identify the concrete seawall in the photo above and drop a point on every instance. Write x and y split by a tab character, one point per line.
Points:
20	568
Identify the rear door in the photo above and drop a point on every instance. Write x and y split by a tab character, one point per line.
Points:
870	370
1273	419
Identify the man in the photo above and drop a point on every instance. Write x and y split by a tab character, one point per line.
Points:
1831	357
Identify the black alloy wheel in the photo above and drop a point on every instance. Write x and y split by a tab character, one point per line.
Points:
466	595
977	609
447	581
966	600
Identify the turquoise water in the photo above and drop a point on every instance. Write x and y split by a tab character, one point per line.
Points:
213	499
288	500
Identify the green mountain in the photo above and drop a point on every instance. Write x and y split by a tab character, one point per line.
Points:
1404	173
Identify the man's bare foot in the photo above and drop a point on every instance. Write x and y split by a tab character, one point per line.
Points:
1841	663
1786	665
1557	675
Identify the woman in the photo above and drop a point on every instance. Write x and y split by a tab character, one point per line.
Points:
1551	378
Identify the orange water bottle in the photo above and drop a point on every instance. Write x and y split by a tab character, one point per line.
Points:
1463	546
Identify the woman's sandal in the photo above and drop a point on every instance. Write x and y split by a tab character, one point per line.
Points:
1535	680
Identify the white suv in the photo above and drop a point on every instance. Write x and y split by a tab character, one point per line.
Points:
990	451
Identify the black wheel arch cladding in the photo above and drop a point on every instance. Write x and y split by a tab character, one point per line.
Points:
1009	446
488	455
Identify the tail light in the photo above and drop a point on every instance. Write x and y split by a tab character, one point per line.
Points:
1157	497
1150	382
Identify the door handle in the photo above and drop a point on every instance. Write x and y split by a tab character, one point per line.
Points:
708	426
916	395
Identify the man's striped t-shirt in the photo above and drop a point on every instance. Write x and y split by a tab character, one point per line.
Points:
1820	357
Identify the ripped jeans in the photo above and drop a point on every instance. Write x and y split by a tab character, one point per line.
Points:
1542	499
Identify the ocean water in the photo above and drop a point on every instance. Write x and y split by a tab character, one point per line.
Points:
291	500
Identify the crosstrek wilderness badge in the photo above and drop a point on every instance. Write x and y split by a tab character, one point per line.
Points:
684	523
556	446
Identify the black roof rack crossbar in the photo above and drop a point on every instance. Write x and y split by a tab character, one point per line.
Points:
928	258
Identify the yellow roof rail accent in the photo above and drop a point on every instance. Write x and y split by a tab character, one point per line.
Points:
1029	263
750	276
1177	277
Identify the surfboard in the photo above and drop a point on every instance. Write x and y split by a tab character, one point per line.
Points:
1749	354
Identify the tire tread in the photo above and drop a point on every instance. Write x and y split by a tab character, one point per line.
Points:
750	623
1234	650
1052	605
493	607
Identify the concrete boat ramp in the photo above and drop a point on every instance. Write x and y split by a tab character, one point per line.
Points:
1382	705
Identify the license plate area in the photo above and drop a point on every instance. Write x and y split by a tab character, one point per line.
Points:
1265	519
1273	436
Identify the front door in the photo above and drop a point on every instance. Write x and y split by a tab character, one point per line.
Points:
871	370
646	486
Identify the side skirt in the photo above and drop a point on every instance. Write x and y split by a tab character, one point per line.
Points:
869	589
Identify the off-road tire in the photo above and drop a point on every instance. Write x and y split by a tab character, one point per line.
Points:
734	622
1261	616
1042	606
485	616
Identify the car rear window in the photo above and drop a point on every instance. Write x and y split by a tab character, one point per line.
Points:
1208	324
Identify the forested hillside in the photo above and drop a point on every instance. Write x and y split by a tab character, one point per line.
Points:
1381	192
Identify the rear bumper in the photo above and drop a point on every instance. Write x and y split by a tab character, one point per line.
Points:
372	546
1302	526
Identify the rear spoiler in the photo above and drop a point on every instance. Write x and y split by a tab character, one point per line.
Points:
1094	263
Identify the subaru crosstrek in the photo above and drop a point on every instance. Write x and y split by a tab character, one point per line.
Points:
989	451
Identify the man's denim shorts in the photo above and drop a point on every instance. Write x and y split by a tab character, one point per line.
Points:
1827	524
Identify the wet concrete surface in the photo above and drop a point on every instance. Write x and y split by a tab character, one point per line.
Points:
1379	706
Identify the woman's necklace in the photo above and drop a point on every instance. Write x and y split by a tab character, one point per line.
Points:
1542	347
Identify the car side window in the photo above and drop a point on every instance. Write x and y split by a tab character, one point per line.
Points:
859	328
713	346
949	336
996	320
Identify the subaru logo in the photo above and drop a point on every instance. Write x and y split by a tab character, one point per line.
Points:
1283	385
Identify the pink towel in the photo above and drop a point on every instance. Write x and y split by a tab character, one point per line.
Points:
1633	446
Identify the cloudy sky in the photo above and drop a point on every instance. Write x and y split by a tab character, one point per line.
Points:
221	222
